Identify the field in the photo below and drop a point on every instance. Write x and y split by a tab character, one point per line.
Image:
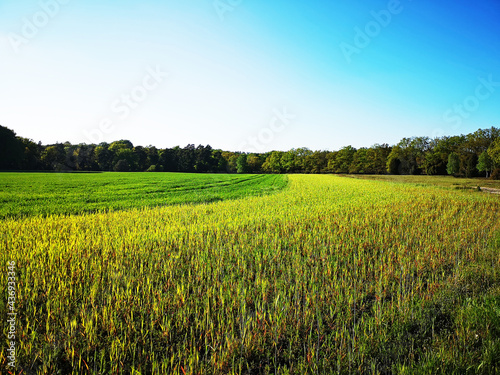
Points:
24	194
443	181
327	275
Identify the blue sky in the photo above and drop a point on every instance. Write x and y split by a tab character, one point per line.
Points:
248	75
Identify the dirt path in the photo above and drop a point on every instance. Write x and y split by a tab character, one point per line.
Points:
490	190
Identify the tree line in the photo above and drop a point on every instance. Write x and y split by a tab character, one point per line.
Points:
471	155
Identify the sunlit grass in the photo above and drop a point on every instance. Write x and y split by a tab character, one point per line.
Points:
443	181
331	274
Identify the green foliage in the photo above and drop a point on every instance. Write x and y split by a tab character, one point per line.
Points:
494	152
359	163
31	159
343	160
254	163
468	164
11	150
408	156
273	163
229	161
103	157
411	156
393	163
122	165
153	168
241	164
55	157
453	166
204	161
436	159
484	163
120	145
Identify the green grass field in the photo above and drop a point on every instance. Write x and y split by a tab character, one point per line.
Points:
327	275
24	194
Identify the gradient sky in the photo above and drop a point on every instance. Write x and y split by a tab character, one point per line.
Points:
68	67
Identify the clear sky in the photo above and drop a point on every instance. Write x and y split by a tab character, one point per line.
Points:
251	75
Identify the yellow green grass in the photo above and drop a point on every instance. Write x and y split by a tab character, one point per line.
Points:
328	275
443	181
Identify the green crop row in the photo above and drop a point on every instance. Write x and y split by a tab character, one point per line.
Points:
27	194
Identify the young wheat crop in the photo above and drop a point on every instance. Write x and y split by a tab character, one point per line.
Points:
330	274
